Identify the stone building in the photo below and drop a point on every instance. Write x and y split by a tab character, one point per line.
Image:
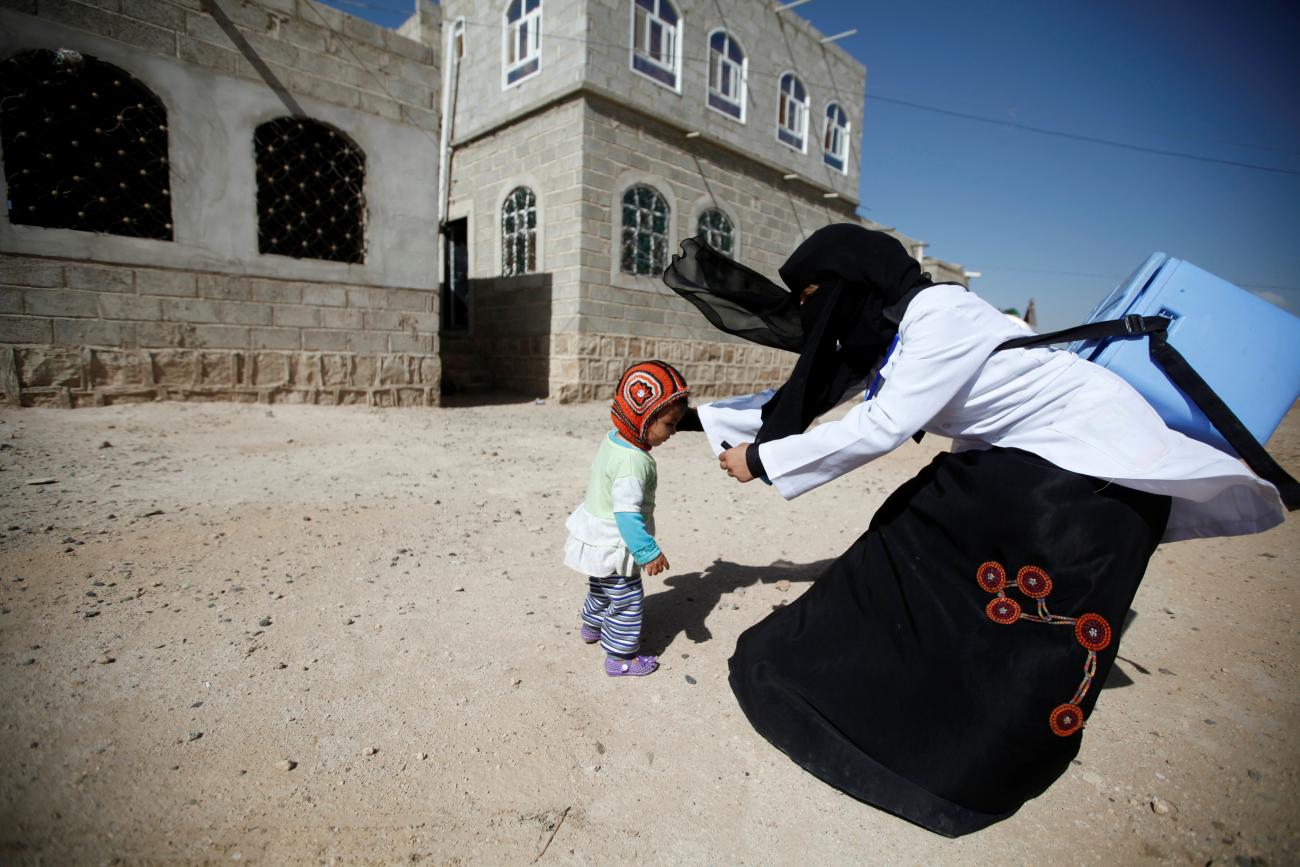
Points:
211	199
586	138
257	200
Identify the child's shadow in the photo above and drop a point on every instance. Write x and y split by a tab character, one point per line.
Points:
690	598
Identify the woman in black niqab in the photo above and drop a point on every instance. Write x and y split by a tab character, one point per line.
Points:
864	280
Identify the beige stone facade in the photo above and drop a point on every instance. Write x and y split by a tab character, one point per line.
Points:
90	318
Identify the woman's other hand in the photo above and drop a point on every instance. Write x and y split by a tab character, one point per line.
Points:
733	463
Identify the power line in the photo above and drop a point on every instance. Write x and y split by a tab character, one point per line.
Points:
1077	137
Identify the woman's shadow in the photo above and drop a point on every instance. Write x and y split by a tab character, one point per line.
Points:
691	597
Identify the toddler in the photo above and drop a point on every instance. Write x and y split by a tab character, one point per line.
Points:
611	535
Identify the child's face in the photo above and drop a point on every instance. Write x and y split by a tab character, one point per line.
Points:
665	424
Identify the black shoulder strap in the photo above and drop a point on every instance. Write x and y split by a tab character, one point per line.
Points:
1189	382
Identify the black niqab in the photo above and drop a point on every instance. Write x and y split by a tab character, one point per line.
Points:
865	280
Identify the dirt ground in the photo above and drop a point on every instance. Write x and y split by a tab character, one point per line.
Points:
280	635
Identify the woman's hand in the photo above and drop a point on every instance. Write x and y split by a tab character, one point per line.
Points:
657	565
733	463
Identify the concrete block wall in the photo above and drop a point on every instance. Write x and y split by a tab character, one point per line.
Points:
78	334
770	215
774	44
512	319
132	318
483	100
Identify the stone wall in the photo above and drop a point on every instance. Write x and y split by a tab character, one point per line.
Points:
92	334
95	318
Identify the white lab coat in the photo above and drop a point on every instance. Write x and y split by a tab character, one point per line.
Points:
944	378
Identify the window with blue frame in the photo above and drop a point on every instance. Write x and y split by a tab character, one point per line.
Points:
835	140
645	231
727	68
656	41
519	233
716	229
523	39
792	112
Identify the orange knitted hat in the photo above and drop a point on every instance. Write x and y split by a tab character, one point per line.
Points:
644	391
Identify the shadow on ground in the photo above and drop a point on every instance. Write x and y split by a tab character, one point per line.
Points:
690	598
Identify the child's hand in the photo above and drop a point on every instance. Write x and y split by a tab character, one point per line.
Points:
657	565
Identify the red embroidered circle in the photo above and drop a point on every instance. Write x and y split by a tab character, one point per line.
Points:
1033	582
1093	631
1065	720
1003	610
991	576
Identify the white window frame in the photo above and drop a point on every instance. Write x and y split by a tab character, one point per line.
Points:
656	267
530	234
802	112
711	209
530	22
674	33
839	136
740	75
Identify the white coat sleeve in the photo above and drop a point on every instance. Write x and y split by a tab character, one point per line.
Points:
735	419
940	349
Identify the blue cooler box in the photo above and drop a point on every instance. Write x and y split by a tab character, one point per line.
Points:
1245	348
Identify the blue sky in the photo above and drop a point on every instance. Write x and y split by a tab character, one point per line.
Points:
1055	217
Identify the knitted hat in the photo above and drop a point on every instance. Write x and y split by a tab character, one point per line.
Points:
644	391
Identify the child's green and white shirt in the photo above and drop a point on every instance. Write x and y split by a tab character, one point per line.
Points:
612	531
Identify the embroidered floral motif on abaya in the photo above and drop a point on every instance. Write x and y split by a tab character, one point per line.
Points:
1090	630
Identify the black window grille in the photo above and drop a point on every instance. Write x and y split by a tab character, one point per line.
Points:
519	233
718	231
85	146
645	231
310	191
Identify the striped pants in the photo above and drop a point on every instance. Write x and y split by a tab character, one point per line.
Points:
613	605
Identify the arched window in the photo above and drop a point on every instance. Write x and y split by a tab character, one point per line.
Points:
523	39
85	146
792	112
717	230
835	139
519	233
310	191
727	68
656	41
645	231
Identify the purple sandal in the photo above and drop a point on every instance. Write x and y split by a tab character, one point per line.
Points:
589	635
634	667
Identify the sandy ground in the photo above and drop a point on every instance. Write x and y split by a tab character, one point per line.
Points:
194	596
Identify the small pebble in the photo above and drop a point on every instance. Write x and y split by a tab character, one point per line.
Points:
369	751
285	765
783	585
459	589
419	757
1161	807
29	661
265	621
194	736
106	660
692	681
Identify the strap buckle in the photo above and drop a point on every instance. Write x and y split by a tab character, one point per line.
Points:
1133	323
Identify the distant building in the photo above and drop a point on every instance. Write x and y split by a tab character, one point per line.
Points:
588	138
259	201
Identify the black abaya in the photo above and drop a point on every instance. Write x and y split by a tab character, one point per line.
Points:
890	680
